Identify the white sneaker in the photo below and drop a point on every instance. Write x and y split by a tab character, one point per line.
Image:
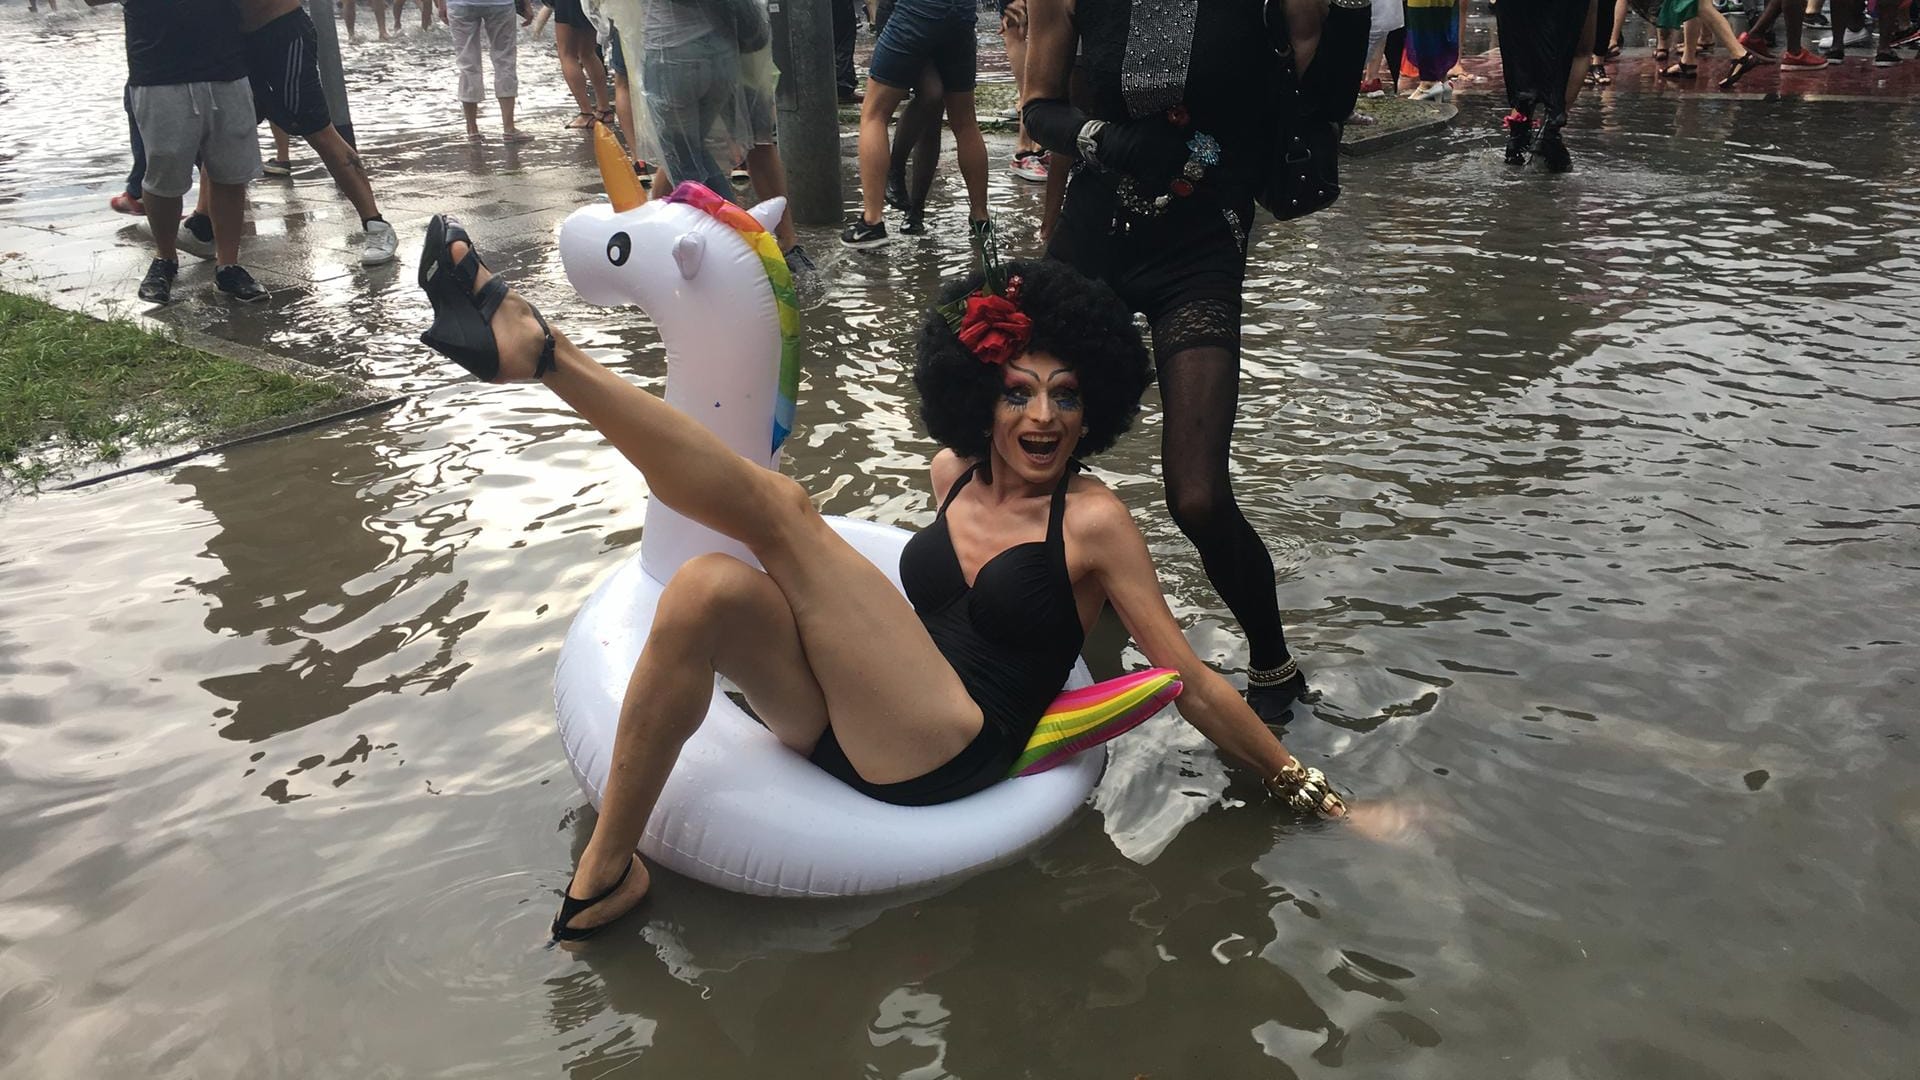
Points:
382	242
1854	37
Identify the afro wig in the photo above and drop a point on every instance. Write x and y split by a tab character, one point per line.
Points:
1075	319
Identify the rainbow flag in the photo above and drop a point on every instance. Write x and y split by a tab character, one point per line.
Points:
1084	718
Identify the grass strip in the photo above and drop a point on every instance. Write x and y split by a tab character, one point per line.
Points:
76	391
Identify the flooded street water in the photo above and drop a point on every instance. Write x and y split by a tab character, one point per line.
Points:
1597	504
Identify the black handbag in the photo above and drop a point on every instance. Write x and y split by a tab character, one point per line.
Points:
1311	112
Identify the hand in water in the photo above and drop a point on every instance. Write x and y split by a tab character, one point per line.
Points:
1387	822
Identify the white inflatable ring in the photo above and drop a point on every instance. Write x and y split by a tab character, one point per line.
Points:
743	812
740	809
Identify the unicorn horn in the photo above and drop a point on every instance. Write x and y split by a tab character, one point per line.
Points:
623	187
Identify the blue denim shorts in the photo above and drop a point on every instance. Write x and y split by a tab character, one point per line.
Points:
922	32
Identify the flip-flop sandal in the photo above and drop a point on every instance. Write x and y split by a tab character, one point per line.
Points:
462	329
1681	71
581	119
1660	56
571	906
1741	65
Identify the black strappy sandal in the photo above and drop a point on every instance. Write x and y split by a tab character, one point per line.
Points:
1681	71
571	906
1742	64
462	328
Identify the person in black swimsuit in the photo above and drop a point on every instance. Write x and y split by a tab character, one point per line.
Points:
1161	75
918	699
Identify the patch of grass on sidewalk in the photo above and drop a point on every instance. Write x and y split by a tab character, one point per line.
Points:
75	391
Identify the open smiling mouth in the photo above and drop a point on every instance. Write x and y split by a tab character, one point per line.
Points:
1040	447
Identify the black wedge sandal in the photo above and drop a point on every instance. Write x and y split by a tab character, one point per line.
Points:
462	328
571	906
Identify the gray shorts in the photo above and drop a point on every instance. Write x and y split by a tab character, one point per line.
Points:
212	123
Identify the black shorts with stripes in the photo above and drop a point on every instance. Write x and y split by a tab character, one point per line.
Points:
283	64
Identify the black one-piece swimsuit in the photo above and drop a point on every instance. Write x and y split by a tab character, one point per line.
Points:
1012	637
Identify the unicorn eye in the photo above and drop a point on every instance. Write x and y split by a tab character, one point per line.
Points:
619	248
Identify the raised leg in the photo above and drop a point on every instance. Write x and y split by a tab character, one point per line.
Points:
897	706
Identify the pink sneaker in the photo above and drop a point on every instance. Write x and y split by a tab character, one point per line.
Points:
126	204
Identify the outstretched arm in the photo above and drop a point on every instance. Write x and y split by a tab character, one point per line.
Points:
1208	702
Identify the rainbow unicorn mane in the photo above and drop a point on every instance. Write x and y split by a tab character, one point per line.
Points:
779	279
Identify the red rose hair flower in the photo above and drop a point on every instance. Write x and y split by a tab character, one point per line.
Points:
993	329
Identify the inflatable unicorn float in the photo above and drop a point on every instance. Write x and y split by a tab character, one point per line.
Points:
741	810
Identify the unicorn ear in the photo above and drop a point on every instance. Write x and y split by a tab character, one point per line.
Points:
768	212
688	250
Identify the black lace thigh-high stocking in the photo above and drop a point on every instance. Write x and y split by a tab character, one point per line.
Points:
1196	347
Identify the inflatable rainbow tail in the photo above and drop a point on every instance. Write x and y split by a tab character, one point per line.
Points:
1084	718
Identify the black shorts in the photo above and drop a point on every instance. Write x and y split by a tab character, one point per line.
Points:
569	12
1195	251
984	763
284	67
937	33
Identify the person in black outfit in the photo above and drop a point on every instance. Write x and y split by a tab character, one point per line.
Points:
1172	88
916	699
845	23
1539	42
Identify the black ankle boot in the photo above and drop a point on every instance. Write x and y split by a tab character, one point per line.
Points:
1271	694
1550	148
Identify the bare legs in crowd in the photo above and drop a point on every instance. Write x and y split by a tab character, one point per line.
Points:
379	17
586	75
1028	162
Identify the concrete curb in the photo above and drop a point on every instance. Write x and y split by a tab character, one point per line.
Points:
358	397
1375	143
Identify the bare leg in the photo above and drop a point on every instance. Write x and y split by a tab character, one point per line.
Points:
570	67
163	217
623	110
471	109
343	163
1715	23
282	143
587	55
897	706
506	116
717	616
227	206
971	149
346	12
1576	78
1013	33
875	113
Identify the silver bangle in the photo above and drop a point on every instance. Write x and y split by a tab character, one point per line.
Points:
1088	141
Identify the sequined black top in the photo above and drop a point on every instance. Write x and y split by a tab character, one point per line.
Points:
1229	76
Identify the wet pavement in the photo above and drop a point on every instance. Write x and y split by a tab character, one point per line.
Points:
1593	499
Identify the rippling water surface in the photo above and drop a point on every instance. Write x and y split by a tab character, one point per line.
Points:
1595	503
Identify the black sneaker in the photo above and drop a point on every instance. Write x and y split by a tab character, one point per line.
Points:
897	191
1885	58
157	286
860	235
237	283
196	235
916	223
1815	18
1836	55
799	262
277	167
